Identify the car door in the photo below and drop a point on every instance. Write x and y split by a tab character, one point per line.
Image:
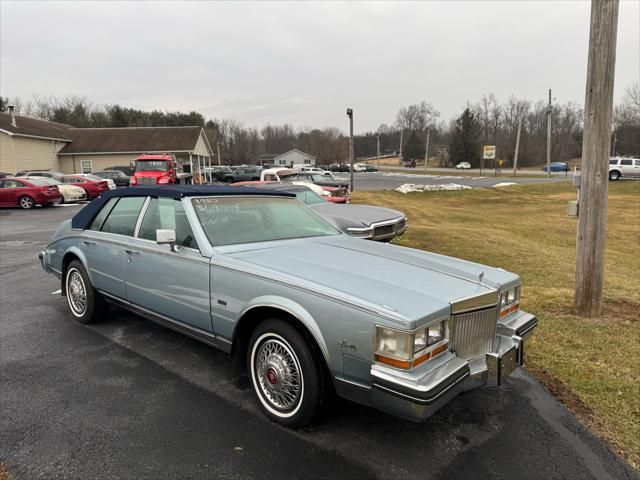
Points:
173	284
7	188
626	166
107	242
636	168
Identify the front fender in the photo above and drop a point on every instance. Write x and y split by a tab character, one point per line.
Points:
294	309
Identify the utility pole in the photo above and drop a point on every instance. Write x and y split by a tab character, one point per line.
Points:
400	146
549	110
350	115
378	147
515	155
426	151
598	111
218	147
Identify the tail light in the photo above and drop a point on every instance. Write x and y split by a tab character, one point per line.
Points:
133	181
103	184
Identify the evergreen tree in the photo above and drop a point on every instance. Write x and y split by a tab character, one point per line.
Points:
465	141
414	148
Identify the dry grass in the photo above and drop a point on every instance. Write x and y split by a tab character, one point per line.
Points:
589	364
4	472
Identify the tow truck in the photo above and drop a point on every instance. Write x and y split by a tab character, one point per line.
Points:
160	169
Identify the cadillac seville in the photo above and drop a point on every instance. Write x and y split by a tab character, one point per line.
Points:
303	309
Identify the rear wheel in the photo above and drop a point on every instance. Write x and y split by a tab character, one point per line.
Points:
614	175
26	202
286	374
85	304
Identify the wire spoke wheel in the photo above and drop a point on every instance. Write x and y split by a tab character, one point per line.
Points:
279	376
76	292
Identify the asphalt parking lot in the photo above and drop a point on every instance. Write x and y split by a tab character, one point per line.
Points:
129	399
387	180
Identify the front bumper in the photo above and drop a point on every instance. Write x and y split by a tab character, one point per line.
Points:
416	396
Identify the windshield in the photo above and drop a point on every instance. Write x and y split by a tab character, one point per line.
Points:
152	165
40	182
227	221
308	197
93	178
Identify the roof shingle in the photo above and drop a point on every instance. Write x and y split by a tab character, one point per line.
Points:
35	128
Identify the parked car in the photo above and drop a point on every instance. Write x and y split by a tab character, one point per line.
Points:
557	167
93	186
243	174
39	173
370	167
302	308
360	221
359	167
27	193
293	174
119	178
340	167
70	193
5	175
128	170
217	173
463	166
316	170
624	167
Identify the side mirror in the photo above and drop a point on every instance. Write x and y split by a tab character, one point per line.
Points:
167	237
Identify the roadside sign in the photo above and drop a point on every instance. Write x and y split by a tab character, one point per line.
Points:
489	152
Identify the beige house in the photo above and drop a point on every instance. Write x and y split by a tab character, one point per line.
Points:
29	144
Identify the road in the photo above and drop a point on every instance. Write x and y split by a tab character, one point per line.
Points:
388	181
129	399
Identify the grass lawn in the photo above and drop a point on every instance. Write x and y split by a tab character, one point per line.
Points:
591	365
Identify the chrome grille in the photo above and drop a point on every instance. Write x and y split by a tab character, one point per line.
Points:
147	180
384	230
472	334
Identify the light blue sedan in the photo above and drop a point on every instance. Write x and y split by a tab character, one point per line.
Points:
302	308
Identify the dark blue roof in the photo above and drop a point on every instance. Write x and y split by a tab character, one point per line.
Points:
84	217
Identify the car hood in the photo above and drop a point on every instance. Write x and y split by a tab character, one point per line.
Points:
405	285
364	215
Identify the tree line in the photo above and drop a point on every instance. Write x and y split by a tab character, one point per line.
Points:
485	122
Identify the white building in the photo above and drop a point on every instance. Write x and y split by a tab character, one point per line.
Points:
294	157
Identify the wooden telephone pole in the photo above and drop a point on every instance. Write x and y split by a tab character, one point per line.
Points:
515	156
592	219
426	151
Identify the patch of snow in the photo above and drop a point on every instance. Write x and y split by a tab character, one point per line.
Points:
504	184
413	187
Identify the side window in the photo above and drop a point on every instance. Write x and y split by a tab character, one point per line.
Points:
12	184
613	162
123	217
626	163
637	163
102	214
167	213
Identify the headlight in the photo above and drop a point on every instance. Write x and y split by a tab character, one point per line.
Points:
163	180
406	350
509	301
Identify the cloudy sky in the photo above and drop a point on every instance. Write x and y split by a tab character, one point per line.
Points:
304	63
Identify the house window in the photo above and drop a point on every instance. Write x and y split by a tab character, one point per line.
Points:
86	166
307	161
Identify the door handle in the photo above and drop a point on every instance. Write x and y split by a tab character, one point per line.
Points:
132	252
87	242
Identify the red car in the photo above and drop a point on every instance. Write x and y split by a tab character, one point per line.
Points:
94	186
27	193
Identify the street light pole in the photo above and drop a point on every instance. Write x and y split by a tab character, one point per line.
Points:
218	147
350	115
549	110
426	151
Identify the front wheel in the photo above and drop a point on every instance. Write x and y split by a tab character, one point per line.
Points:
286	374
85	304
614	175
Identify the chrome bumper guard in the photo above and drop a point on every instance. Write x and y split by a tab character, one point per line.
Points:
417	398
